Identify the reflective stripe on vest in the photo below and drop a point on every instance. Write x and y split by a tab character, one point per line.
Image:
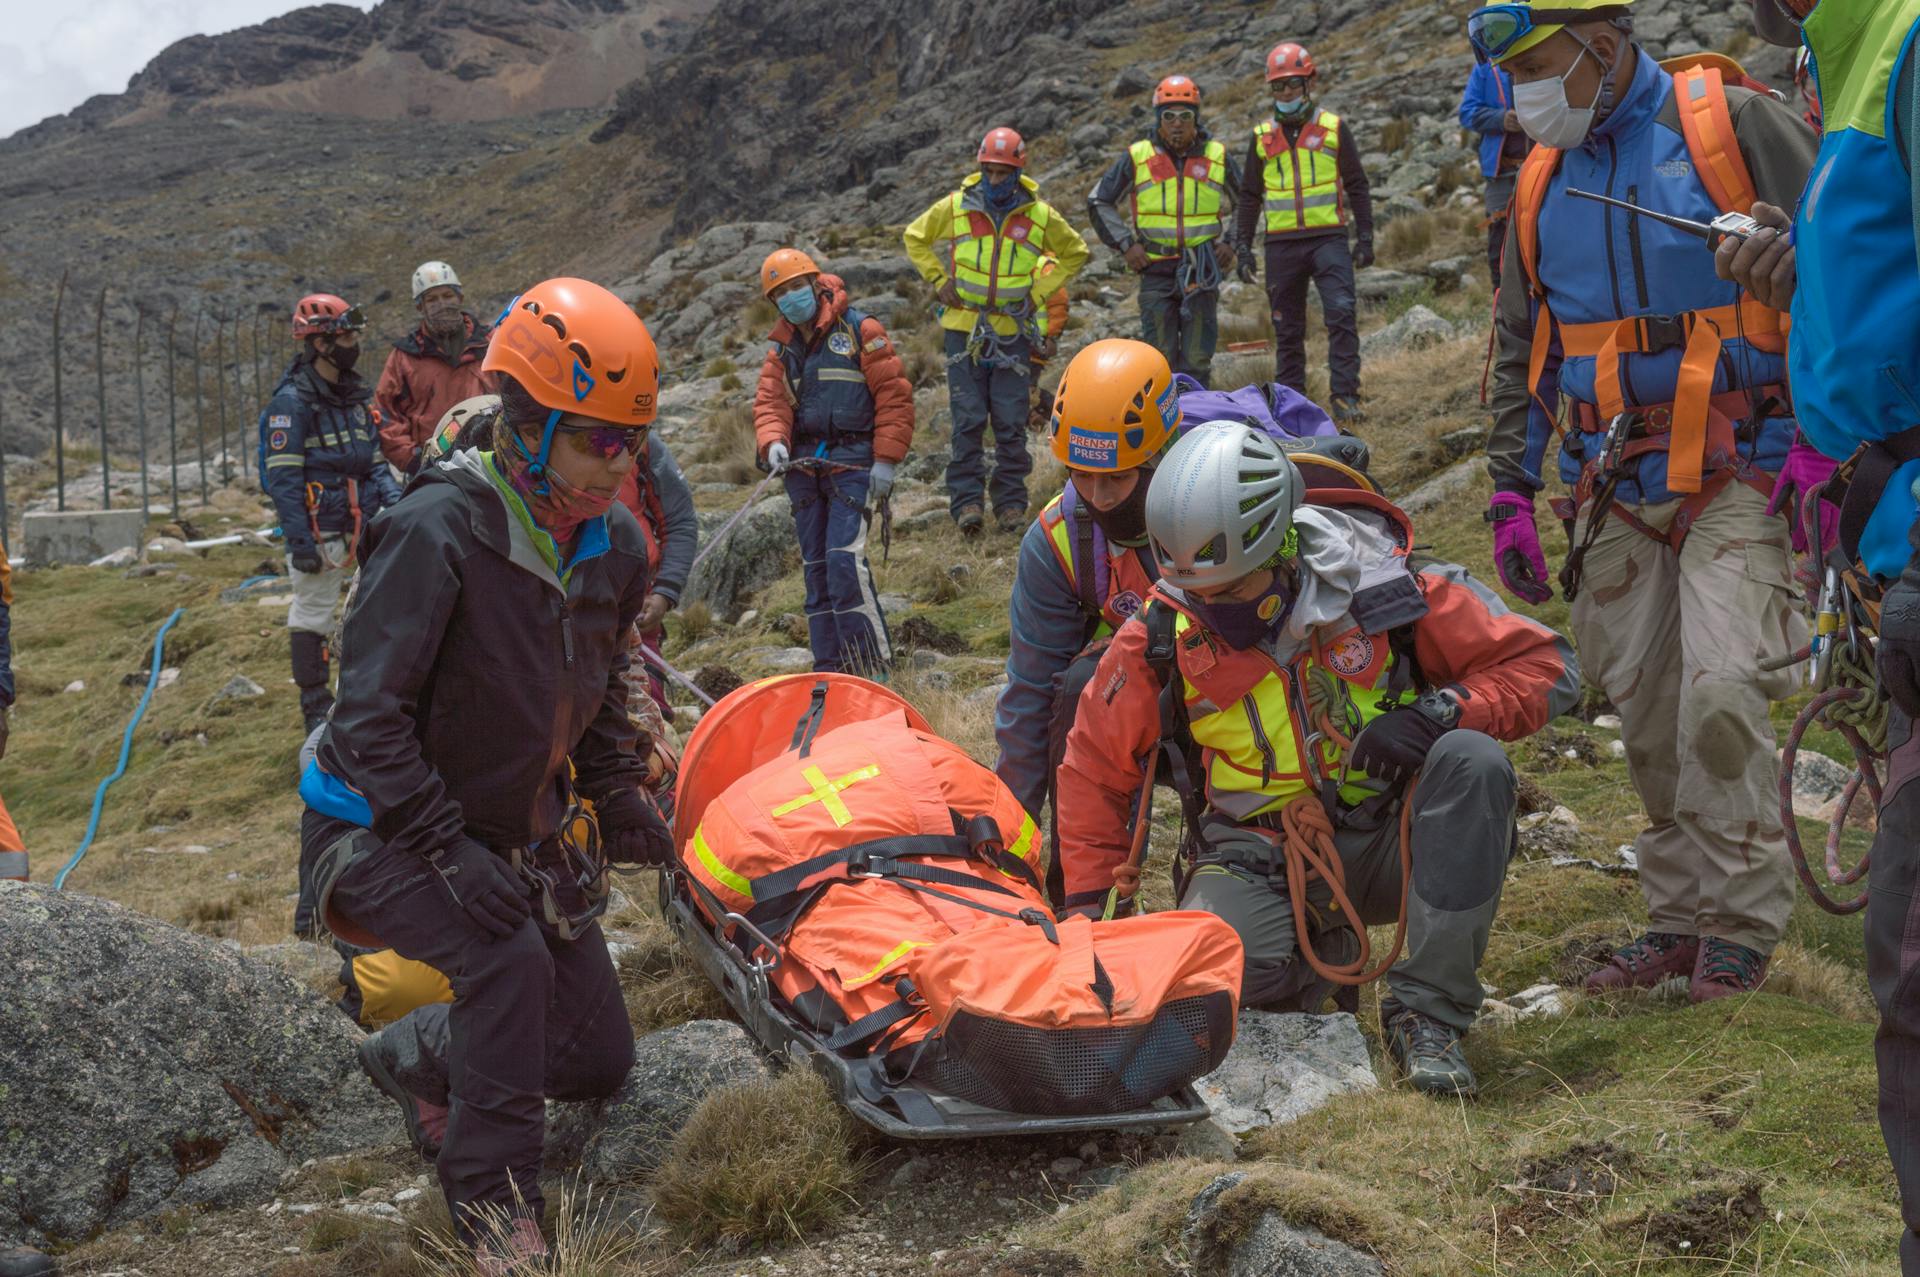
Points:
1254	744
1178	203
830	391
1120	584
994	267
1303	191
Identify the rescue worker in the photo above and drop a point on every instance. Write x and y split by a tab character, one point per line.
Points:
1486	108
13	850
320	463
1680	582
1084	565
1272	622
834	413
431	369
485	660
1302	183
1848	271
1167	206
996	230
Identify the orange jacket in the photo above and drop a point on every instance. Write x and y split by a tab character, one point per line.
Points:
1512	673
773	400
418	385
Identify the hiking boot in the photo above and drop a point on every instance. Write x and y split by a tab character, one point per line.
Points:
1655	956
1427	1051
426	1121
1347	410
23	1261
1726	968
520	1252
1011	519
971	520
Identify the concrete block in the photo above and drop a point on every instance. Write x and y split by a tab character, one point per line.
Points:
80	536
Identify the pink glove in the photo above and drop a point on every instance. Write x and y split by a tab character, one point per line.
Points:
1805	470
1516	547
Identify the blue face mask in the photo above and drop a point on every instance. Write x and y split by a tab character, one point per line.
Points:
1295	110
1245	625
798	305
1002	196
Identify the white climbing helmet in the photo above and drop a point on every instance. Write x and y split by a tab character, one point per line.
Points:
432	275
1221	504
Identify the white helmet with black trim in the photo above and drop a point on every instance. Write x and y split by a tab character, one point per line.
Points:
1221	505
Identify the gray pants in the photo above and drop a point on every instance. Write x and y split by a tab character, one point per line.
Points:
1463	837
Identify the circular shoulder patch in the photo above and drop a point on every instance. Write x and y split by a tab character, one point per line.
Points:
1351	656
277	440
840	344
1125	603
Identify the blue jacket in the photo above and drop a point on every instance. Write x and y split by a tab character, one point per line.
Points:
1856	304
314	437
1599	264
1483	108
1046	630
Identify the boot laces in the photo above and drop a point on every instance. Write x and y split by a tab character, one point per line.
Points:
1426	1037
1730	963
1650	948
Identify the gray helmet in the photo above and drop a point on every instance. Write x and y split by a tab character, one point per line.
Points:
1221	504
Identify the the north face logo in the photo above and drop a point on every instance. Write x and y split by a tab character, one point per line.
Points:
1673	168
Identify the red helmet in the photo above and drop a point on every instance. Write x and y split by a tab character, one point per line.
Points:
1289	60
1177	89
318	314
1003	146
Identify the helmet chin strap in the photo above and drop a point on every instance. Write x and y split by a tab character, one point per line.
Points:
537	469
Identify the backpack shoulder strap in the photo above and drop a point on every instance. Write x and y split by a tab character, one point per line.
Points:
1700	93
1182	763
1529	193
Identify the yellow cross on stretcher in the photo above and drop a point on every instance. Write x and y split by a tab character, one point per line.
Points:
827	792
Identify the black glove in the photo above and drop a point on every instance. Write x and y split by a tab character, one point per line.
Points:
1363	254
481	884
1243	265
1394	746
307	561
1899	656
631	830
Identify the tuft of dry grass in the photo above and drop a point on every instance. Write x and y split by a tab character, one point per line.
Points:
660	983
761	1163
1797	972
1395	134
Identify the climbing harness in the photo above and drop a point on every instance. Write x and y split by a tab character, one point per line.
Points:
126	748
1603	479
988	348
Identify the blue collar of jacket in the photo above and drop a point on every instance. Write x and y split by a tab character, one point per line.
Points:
1646	93
973	196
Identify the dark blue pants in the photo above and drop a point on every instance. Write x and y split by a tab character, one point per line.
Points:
1893	971
1186	340
844	624
1328	263
978	393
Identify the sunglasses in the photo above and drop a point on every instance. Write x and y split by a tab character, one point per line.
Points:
1495	29
351	319
605	442
1179	115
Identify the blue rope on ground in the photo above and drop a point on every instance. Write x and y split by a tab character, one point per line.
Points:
255	580
126	749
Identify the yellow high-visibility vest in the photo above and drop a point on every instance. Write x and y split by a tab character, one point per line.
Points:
1178	203
1302	178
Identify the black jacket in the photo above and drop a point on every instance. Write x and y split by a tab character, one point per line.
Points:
469	678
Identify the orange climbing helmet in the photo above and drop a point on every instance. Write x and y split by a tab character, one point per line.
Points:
1003	146
1177	90
784	264
322	314
1288	60
578	348
1115	407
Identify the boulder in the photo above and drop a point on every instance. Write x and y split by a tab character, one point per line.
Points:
756	553
872	274
222	1072
1817	781
1549	833
1378	284
1284	1065
1130	82
1415	330
673	1070
1270	1248
1445	487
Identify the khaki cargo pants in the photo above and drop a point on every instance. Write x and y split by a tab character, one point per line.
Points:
1676	641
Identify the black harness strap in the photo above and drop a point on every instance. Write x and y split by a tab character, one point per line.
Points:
809	723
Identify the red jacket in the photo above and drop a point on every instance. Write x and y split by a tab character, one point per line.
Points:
1512	673
418	385
773	400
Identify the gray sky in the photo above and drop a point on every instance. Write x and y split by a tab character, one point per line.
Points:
58	54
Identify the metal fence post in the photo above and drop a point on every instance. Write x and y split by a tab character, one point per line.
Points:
239	404
220	394
3	492
173	422
140	401
199	413
59	414
100	383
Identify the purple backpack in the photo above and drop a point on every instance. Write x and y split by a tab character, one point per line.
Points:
1274	408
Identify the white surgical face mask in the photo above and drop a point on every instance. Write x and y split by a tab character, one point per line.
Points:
1548	117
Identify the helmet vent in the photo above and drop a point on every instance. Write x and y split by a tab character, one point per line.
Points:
616	375
556	323
580	351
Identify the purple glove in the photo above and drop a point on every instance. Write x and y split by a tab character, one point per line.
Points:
1516	547
1805	470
